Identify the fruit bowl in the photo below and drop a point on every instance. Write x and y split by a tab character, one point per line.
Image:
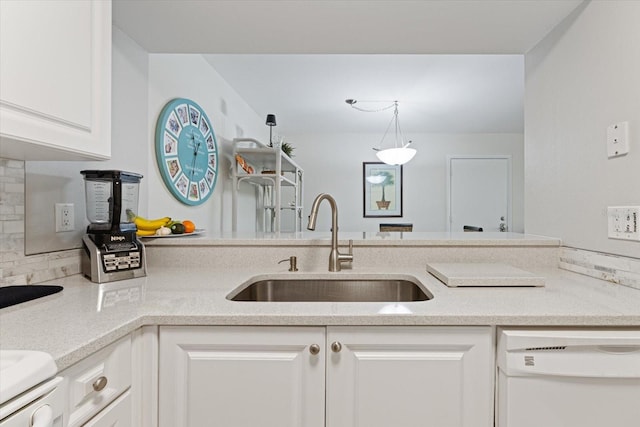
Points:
196	232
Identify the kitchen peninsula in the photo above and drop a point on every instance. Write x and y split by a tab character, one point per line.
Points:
178	323
189	278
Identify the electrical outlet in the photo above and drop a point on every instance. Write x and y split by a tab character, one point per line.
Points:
65	218
624	222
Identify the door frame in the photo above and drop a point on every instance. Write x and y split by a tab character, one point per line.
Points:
451	157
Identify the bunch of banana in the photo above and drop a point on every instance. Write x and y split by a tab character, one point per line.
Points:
147	227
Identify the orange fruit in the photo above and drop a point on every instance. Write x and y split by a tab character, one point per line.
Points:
189	227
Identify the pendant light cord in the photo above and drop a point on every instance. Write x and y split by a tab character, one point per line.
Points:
395	119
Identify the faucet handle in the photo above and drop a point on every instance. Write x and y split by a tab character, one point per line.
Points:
346	257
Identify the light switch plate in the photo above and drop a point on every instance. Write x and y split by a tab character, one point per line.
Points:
618	139
623	222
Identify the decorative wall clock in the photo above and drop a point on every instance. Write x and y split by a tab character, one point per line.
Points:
186	151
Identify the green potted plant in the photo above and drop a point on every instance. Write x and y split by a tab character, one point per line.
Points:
287	149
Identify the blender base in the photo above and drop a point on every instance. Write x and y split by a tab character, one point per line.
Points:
102	264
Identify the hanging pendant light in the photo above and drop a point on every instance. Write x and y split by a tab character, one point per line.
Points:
400	153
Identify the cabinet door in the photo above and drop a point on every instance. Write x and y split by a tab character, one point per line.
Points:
55	76
241	376
118	414
410	376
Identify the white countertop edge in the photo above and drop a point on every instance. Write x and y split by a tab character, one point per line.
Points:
360	239
75	355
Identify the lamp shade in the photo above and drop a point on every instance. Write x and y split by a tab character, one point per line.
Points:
396	156
271	120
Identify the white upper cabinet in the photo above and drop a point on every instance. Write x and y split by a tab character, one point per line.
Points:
55	80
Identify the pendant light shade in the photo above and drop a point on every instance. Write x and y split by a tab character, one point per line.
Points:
396	156
400	153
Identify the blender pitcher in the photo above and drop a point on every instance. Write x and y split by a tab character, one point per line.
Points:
109	193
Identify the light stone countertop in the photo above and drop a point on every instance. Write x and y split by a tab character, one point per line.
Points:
84	317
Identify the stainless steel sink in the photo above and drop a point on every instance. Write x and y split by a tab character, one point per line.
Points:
337	289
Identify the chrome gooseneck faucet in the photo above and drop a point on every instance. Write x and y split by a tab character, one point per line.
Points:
335	257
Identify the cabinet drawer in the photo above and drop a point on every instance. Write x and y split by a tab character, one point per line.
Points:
118	414
98	380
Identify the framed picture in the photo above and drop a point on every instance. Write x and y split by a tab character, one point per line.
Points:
382	190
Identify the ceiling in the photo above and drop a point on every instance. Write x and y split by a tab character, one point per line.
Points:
454	66
436	93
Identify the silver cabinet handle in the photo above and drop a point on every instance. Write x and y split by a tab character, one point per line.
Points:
336	347
314	349
100	384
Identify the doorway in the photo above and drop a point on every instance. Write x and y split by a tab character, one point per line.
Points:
479	192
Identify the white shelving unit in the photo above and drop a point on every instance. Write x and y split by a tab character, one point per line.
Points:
273	171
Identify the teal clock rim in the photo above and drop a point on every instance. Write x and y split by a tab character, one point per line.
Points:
160	156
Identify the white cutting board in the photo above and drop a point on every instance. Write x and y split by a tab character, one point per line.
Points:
482	274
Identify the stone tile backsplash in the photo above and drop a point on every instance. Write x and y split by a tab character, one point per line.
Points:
612	268
15	267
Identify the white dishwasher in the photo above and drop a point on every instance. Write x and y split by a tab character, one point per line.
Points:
568	378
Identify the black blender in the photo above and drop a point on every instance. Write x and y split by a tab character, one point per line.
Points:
111	248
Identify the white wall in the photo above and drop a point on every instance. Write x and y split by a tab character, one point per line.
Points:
142	84
191	76
583	77
333	164
50	182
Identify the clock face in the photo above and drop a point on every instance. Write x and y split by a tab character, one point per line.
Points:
187	151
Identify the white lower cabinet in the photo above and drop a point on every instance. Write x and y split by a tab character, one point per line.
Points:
409	376
358	376
241	376
97	381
